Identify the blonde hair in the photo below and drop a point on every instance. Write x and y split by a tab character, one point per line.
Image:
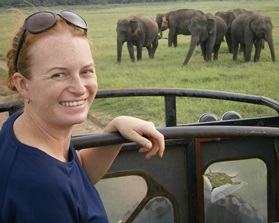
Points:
24	58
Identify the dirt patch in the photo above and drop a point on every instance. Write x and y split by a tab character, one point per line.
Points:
91	124
3	65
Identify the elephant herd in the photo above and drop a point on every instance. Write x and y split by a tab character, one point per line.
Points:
239	27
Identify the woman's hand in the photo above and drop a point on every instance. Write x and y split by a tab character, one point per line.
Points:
142	132
97	161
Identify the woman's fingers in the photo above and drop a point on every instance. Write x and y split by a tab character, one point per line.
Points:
142	132
156	146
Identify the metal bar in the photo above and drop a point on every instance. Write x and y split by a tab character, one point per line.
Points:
180	92
176	92
10	106
102	139
170	110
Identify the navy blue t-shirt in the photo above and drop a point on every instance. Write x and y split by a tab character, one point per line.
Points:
37	188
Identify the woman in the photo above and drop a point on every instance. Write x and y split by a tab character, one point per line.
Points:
42	177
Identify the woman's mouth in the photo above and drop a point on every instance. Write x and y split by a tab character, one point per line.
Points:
71	103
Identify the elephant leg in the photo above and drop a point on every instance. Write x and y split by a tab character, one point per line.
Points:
258	46
235	50
175	40
169	42
216	50
242	49
229	41
210	42
208	53
203	49
139	52
249	41
131	51
170	38
248	51
151	51
154	46
119	51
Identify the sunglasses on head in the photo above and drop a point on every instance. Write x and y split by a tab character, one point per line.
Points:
44	20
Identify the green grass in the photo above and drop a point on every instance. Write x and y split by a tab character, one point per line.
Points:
165	71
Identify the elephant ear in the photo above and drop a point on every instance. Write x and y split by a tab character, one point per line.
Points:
192	23
253	25
268	20
227	18
135	27
231	16
210	26
253	21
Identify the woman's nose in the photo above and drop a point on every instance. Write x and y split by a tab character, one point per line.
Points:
77	85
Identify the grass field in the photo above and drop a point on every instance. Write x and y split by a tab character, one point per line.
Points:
165	71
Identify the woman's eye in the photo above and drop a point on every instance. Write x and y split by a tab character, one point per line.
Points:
59	75
88	72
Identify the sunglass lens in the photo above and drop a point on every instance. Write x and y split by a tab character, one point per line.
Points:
74	19
40	21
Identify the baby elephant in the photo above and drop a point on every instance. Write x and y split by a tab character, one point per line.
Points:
252	29
138	30
208	31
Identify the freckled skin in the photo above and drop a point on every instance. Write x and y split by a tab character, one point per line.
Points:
68	56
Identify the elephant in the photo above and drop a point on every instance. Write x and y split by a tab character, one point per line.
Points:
176	21
137	30
252	28
228	17
208	31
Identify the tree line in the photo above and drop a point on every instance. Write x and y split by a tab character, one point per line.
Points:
47	3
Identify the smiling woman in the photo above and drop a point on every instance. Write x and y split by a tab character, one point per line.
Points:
51	66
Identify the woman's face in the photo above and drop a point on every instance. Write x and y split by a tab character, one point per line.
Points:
63	81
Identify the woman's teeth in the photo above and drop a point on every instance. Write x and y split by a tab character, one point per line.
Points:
72	103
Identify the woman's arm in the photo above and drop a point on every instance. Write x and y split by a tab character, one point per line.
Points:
97	161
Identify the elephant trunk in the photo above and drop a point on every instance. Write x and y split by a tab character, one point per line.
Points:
160	36
271	48
193	43
119	49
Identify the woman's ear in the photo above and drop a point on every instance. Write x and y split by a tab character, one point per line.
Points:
20	83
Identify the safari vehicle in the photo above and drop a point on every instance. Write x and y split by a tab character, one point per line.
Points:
212	170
